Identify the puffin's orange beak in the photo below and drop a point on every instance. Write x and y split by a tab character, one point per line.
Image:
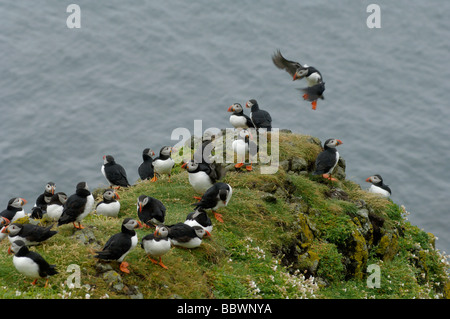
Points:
295	77
140	207
24	201
339	142
368	179
5	230
6	221
9	250
231	109
184	165
116	195
208	234
139	224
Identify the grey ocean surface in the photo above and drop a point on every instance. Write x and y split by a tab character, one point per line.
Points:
137	70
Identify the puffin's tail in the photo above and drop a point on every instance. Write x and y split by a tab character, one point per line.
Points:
312	93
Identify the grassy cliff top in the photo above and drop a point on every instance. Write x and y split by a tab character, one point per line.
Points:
285	235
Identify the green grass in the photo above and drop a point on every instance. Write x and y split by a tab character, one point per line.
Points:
250	255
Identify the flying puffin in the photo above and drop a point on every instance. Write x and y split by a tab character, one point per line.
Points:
202	175
30	234
14	210
151	211
157	244
56	205
327	160
77	206
163	164
238	119
120	244
145	170
30	263
114	173
216	196
316	86
199	217
43	199
243	146
183	235
109	206
378	186
260	118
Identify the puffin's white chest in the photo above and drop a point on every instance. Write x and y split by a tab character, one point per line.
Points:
378	190
313	79
26	266
193	243
109	209
54	211
157	248
163	166
220	203
200	181
19	214
87	208
192	223
134	241
238	121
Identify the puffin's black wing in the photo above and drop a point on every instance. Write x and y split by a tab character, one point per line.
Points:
324	162
262	119
289	66
145	170
45	269
117	175
249	120
38	233
115	247
314	92
209	198
73	207
181	232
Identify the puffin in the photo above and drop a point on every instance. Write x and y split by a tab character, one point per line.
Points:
215	197
43	199
378	187
203	154
56	205
14	210
114	173
145	170
199	217
238	119
151	211
313	77
30	263
120	244
202	175
242	146
3	223
183	235
37	212
77	206
163	164
109	206
327	160
157	244
30	234
260	118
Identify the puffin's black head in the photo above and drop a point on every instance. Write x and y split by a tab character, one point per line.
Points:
166	151
108	159
375	179
50	188
82	189
190	166
148	152
82	185
16	246
223	193
331	143
110	194
252	104
141	202
16	202
236	108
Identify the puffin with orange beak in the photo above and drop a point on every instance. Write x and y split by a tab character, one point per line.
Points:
151	211
30	263
203	175
157	244
164	163
378	186
238	119
121	244
77	206
109	206
44	199
327	160
313	77
14	210
216	197
244	147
